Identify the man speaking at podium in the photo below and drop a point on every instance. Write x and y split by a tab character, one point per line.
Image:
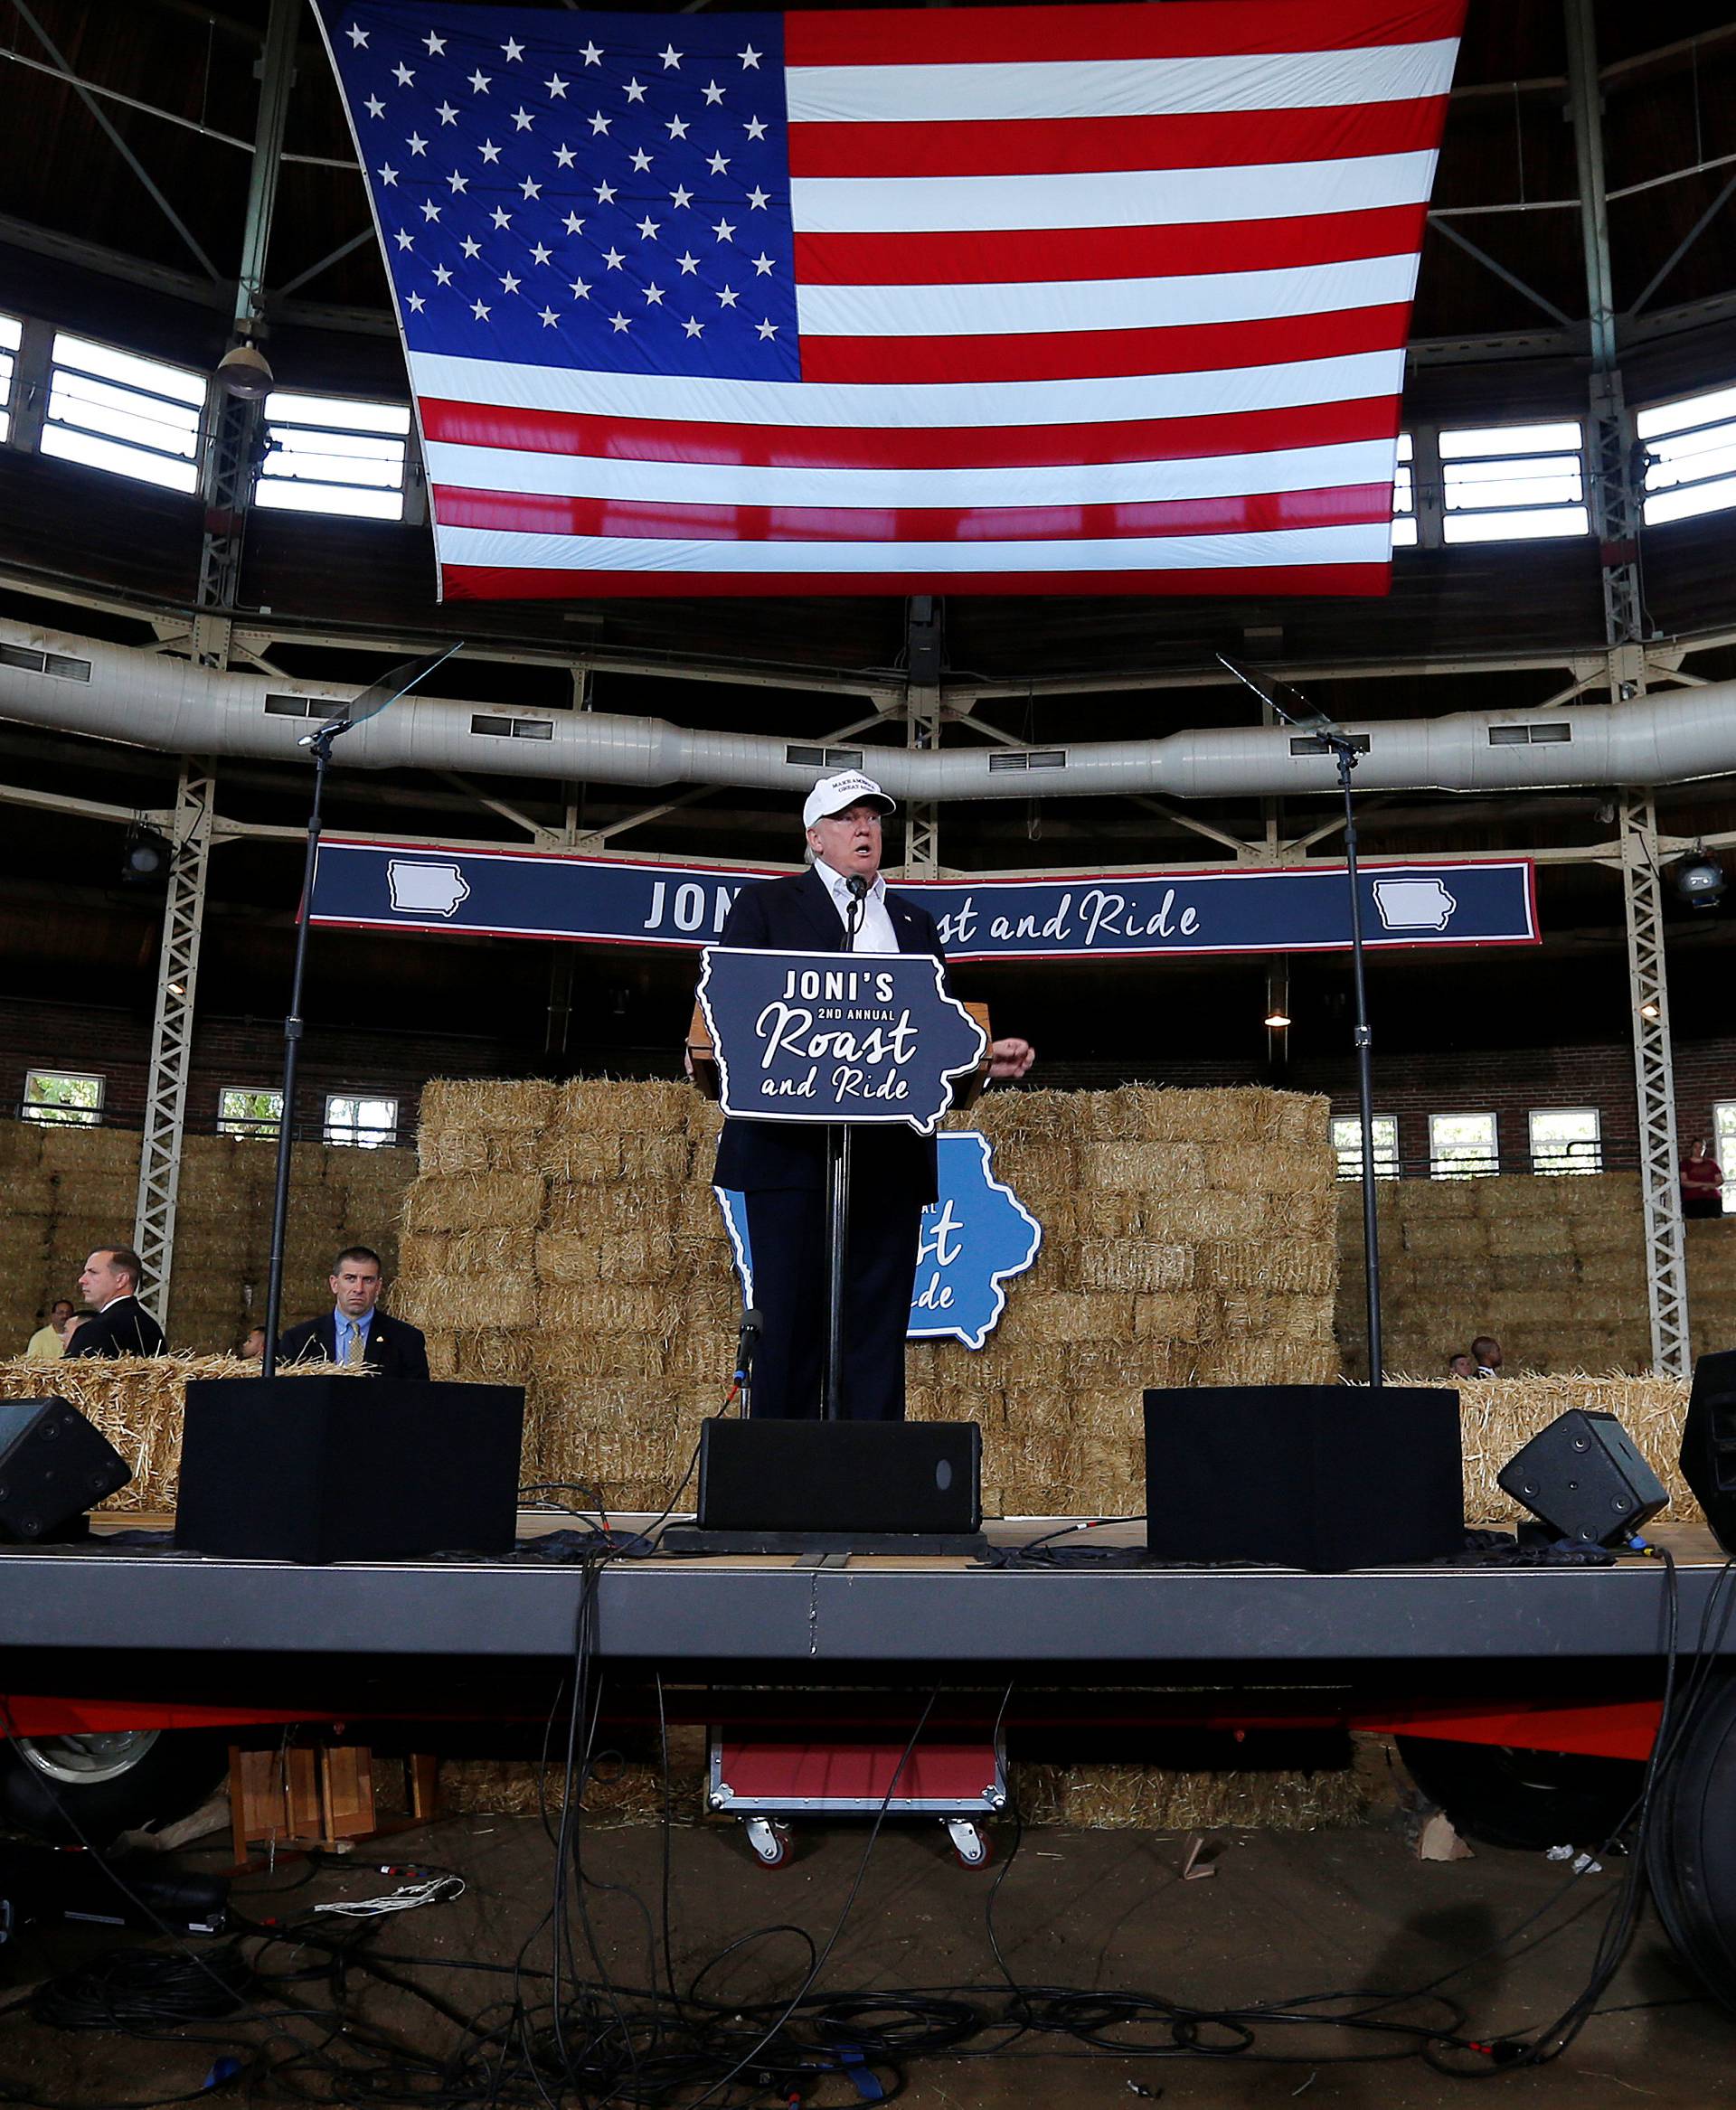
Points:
840	904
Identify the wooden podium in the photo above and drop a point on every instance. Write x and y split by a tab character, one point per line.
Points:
702	1060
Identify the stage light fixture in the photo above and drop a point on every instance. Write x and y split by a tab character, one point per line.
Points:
1649	1011
1698	879
1278	1016
145	860
245	372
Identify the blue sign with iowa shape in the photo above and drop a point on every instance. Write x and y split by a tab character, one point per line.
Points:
855	1037
975	1238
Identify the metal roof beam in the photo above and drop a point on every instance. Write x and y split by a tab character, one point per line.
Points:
115	140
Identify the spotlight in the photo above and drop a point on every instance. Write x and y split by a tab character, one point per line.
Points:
1698	879
145	861
1649	1011
244	371
1278	1016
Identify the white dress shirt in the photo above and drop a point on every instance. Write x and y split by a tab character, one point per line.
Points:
874	932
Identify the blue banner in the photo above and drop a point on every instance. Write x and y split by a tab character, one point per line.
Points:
508	893
975	1237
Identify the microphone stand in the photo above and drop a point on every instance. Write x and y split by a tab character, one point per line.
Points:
838	1212
368	705
1344	751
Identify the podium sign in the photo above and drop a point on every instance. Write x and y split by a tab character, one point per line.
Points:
867	1038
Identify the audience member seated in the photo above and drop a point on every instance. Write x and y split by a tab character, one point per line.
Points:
353	1331
120	1325
252	1348
1702	1181
1461	1365
48	1343
1486	1354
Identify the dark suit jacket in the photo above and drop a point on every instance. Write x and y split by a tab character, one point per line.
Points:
394	1348
126	1328
799	915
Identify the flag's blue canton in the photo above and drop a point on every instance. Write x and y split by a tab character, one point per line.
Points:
579	190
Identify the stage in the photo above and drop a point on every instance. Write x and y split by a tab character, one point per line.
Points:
804	1613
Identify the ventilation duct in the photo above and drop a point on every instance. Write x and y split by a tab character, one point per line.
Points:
148	700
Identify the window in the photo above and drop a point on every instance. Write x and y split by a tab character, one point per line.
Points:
1690	454
1404	507
1723	1148
11	336
1348	1146
364	1122
1512	483
245	1109
134	416
1566	1139
326	455
1462	1147
60	1095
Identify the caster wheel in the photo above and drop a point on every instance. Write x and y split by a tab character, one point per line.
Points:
770	1840
969	1843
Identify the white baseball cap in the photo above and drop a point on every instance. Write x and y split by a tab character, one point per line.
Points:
832	795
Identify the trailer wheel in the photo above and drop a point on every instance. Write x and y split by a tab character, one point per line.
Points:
1507	1796
92	1785
1691	1849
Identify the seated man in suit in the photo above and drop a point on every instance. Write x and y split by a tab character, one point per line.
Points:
121	1325
839	904
353	1331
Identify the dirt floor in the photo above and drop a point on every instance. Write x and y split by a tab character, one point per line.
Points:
1282	1917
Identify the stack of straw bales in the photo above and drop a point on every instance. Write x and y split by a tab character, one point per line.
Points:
223	1237
70	1188
1554	1267
1711	1283
567	1237
138	1403
1498	1416
1187	1241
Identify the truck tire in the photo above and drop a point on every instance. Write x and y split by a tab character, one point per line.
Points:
1507	1796
92	1785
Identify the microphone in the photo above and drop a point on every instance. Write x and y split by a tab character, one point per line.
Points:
856	886
747	1342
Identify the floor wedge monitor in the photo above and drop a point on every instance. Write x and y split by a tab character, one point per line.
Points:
875	1476
1319	1476
53	1466
348	1468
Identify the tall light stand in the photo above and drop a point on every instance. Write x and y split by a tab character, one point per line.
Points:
1341	746
368	705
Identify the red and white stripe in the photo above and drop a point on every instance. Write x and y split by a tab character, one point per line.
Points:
1120	308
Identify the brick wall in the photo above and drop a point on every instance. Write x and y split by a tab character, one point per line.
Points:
228	1051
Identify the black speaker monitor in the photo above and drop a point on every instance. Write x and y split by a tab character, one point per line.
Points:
1584	1478
1709	1443
1318	1476
344	1468
53	1466
825	1476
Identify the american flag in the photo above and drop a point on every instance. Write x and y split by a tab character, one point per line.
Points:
1072	299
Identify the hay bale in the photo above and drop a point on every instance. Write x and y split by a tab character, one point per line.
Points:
1291	1270
499	1249
1134	1264
1129	1797
1142	1167
505	1201
488	1103
1498	1416
137	1402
